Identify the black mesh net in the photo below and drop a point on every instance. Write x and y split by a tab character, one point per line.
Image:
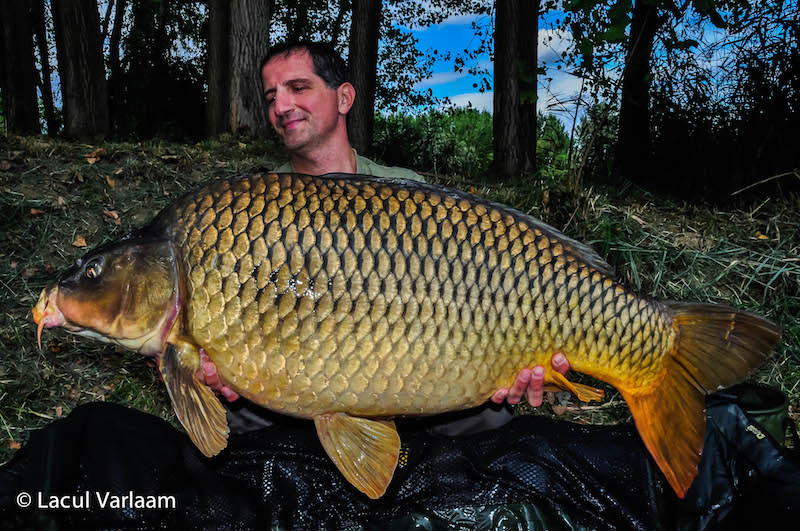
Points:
532	473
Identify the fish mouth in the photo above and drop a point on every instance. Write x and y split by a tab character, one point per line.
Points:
46	314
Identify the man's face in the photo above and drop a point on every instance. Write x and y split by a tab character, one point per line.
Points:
303	110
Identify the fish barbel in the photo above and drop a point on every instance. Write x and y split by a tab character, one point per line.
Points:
349	300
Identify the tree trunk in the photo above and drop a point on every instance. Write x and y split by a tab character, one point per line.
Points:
506	124
116	94
363	65
218	103
633	158
249	41
45	84
80	65
20	106
528	48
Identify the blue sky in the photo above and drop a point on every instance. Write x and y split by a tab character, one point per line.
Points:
556	89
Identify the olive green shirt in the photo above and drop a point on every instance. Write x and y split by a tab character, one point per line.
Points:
364	166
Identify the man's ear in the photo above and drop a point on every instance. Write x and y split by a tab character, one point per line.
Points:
345	96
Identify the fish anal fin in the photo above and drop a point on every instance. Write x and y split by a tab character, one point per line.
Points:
364	450
584	393
196	406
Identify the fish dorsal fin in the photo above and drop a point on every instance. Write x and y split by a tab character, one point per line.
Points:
364	450
200	412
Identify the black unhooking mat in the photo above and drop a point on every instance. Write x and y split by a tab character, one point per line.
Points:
533	473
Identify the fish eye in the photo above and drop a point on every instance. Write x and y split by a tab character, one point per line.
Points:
93	269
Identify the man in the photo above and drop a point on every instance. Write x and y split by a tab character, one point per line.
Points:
308	97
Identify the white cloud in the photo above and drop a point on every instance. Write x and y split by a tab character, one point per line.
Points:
483	101
552	44
439	78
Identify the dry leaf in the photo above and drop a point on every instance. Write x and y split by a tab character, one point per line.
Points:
242	145
61	203
761	236
92	160
28	272
96	154
14	445
559	410
80	241
118	171
36	212
111	182
59	411
113	215
14	265
5	165
50	269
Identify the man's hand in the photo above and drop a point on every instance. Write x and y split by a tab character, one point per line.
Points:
207	373
530	383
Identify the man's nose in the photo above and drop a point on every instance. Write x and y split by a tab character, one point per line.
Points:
283	103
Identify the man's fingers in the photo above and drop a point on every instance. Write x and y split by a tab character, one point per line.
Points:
535	393
499	396
212	379
228	394
518	389
560	363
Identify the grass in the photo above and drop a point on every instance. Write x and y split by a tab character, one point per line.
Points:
51	192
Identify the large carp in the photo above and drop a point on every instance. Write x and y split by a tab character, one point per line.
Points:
349	300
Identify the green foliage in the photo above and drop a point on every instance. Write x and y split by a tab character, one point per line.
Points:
552	149
451	142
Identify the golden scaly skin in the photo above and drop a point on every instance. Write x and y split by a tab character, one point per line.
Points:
316	294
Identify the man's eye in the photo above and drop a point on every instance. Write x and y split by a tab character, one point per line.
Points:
300	88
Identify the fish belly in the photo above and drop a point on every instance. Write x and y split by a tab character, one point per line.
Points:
314	295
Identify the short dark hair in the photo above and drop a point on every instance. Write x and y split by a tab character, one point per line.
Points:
328	64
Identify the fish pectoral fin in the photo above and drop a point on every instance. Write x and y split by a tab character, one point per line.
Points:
584	393
364	450
200	412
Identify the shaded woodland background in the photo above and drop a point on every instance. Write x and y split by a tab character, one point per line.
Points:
699	98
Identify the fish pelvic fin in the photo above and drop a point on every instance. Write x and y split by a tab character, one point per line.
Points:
200	412
365	451
584	393
715	347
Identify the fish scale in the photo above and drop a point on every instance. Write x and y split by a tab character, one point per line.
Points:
314	267
347	299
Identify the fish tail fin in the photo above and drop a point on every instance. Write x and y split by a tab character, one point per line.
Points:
715	346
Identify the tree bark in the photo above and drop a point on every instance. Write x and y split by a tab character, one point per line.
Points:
18	83
80	65
45	84
506	124
218	103
249	41
632	155
527	66
364	34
